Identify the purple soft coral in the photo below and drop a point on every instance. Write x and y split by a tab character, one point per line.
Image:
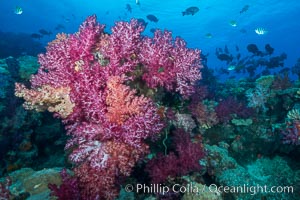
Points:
184	161
229	107
68	190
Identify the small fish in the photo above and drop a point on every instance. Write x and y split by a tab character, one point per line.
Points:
137	2
59	27
161	69
231	67
152	18
142	22
37	185
244	9
260	31
225	57
233	23
152	30
18	10
190	11
269	49
44	32
128	7
252	48
208	35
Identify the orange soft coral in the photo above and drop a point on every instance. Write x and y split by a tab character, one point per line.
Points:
46	98
59	38
122	101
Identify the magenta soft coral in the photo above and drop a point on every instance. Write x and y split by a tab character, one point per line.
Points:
170	64
4	189
68	189
184	160
229	107
291	135
122	47
58	63
189	153
163	167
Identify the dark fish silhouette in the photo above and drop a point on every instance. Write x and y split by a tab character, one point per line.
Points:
152	18
190	11
142	21
44	32
269	49
152	30
36	36
252	48
59	27
128	7
244	9
225	57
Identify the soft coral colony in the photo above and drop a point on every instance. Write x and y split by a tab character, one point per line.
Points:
90	80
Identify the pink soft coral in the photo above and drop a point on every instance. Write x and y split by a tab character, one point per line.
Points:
106	119
170	65
100	182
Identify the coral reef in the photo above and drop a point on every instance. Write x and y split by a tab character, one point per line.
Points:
263	172
4	189
84	79
28	182
68	189
133	109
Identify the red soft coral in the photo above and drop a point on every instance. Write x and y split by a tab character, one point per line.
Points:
169	166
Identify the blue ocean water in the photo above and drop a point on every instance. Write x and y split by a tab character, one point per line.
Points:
278	17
